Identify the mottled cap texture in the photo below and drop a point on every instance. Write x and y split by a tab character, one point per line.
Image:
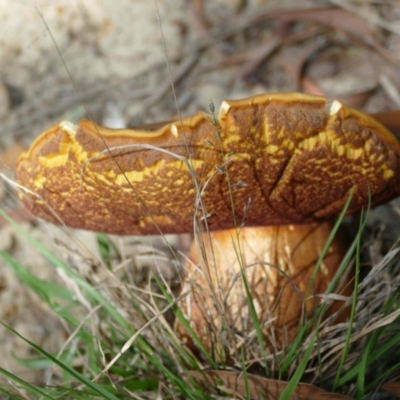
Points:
272	159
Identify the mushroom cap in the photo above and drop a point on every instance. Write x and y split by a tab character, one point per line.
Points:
274	159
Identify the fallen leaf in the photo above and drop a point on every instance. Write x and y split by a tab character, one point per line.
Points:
255	386
392	387
344	74
335	18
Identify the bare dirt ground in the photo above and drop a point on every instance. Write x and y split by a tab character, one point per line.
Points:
120	61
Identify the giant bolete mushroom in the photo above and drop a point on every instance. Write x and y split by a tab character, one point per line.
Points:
270	160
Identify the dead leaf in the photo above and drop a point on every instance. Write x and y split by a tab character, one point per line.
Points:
347	74
392	387
337	19
269	389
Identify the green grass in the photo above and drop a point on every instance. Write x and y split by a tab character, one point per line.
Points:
136	354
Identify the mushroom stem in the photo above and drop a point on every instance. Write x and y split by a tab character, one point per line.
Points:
279	264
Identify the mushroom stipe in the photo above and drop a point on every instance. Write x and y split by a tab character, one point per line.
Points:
280	267
274	159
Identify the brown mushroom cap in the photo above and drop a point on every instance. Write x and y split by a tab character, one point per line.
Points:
281	158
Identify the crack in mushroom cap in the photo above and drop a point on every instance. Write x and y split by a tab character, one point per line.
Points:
281	158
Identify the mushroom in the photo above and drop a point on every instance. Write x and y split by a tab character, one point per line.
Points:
245	182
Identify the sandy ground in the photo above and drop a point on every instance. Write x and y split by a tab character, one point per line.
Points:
113	67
